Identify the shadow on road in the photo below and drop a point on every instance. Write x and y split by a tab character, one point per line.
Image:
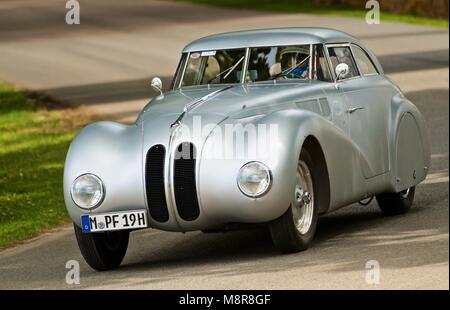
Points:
434	105
137	89
345	241
414	61
108	92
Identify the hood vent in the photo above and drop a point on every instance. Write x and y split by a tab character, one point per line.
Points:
319	106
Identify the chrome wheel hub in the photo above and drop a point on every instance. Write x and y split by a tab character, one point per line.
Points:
303	208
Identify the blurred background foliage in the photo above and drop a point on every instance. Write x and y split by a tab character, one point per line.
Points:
422	8
421	12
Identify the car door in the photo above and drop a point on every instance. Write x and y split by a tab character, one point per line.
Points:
367	101
335	99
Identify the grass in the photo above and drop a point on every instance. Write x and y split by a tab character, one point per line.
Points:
296	6
34	139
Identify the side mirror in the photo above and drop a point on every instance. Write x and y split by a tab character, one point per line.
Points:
156	84
341	71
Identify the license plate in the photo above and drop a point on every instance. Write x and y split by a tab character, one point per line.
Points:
114	221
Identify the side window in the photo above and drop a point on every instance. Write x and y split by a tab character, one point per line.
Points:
343	54
320	66
365	64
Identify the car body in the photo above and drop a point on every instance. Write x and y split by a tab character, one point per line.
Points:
363	137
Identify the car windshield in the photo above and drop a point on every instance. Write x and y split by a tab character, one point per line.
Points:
263	64
214	67
278	62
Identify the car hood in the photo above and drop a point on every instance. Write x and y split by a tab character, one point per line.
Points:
223	101
212	105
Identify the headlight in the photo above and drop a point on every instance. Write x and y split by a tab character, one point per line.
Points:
254	179
87	191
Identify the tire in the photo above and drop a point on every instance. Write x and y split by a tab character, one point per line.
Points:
102	251
396	203
286	235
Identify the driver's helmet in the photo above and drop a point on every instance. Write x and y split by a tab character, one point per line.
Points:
291	56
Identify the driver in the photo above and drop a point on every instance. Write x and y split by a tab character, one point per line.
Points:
291	59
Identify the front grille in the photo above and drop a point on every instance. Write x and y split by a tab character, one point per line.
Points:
184	182
154	183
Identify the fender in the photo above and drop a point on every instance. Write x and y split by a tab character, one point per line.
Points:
223	201
343	158
111	151
410	155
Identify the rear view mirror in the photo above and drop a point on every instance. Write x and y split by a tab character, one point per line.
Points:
341	71
156	84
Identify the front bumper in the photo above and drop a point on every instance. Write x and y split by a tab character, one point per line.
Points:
117	154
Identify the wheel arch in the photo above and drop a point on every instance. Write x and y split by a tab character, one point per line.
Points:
410	156
345	182
312	145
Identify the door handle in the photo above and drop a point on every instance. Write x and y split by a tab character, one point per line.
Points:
351	110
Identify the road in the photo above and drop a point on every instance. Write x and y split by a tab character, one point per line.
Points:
106	62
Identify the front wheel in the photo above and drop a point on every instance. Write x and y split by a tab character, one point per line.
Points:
295	229
396	203
102	251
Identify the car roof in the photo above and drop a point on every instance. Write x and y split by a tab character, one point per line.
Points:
270	37
277	37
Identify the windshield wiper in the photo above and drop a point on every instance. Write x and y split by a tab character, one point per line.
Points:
194	103
229	70
286	72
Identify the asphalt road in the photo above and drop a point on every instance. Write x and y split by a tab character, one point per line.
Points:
106	63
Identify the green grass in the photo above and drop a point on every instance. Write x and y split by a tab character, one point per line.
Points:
296	6
33	146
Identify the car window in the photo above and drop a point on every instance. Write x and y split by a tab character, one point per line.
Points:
278	62
214	67
365	64
343	54
320	70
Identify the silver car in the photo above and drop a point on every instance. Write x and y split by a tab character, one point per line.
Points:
275	126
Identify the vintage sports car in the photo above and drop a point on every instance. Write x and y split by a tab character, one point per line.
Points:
275	126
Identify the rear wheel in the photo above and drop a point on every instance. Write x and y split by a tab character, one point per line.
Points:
102	251
295	229
396	203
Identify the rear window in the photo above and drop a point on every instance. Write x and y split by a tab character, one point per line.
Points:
365	64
